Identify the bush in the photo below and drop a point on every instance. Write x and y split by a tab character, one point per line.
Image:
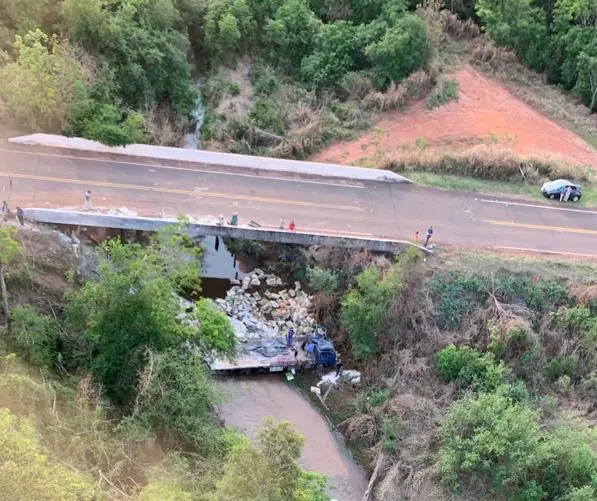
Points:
27	473
322	279
365	308
456	295
443	93
493	439
268	115
562	366
470	367
512	340
176	395
33	336
392	431
379	397
404	48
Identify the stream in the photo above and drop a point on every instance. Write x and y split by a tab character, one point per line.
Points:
191	139
248	400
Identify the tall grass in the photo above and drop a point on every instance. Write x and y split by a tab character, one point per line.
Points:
490	163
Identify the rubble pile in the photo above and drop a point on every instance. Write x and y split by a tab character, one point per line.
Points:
259	307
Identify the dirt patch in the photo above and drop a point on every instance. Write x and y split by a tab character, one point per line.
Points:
486	113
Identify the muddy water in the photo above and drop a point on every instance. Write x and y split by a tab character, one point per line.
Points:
248	400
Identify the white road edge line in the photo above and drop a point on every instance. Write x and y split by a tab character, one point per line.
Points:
173	167
540	251
536	206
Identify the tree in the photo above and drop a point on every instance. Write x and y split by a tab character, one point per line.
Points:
270	471
175	395
229	27
339	48
586	84
404	48
517	24
290	34
42	83
9	250
365	308
133	306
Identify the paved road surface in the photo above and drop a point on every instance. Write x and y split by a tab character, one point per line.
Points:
384	210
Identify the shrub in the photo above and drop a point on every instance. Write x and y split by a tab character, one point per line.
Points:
455	295
33	335
365	308
378	397
443	93
268	115
404	48
392	431
512	340
322	279
493	439
176	395
562	366
470	367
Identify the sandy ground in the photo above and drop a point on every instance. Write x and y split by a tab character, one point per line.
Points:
486	113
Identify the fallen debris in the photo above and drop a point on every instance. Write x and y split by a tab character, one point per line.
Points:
260	309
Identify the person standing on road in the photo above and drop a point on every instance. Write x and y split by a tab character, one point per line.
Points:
292	226
87	204
282	224
429	235
290	337
21	216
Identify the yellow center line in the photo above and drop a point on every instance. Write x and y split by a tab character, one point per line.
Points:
561	229
178	191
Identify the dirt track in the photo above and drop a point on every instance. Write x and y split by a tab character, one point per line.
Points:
486	113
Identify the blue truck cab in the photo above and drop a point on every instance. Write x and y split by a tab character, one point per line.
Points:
324	348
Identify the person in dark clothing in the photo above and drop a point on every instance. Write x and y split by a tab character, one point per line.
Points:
429	235
21	216
338	367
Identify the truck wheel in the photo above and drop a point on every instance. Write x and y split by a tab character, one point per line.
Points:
575	198
552	197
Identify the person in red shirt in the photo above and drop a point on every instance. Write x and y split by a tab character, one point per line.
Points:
291	226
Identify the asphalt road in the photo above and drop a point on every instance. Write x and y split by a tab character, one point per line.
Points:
351	208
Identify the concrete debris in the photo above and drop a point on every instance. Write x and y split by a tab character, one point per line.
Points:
346	375
258	312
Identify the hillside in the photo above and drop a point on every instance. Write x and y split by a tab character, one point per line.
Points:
485	113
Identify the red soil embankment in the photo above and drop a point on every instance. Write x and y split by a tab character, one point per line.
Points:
486	113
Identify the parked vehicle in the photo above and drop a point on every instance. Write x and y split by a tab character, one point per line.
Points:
553	190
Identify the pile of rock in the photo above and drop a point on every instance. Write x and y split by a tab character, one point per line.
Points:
260	307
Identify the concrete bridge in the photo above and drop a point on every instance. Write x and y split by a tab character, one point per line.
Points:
124	222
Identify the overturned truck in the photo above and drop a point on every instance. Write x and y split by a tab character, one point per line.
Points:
263	355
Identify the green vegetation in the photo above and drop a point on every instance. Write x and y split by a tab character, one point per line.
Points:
119	72
323	279
99	386
482	380
556	37
444	92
